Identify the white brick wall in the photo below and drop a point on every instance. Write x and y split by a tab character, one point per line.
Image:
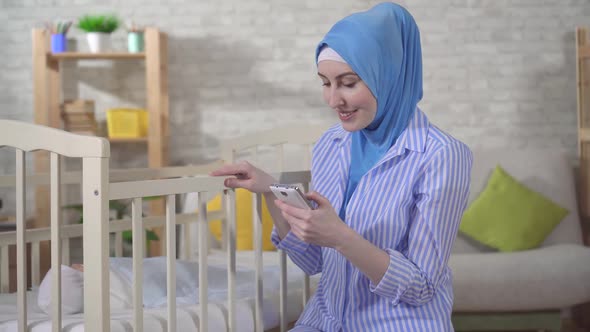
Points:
496	72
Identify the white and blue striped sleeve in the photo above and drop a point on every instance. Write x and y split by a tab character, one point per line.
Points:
441	196
307	256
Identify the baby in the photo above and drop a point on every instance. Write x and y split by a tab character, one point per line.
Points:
154	284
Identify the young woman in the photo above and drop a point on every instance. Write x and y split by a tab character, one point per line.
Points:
390	187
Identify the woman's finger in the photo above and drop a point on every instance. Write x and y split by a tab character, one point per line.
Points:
295	229
316	197
234	183
292	210
230	169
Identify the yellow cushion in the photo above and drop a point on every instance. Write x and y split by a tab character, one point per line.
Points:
244	228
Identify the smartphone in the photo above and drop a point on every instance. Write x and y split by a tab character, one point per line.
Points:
291	195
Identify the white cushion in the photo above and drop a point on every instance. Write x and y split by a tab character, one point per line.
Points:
72	291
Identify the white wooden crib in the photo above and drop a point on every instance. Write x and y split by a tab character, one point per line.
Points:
98	187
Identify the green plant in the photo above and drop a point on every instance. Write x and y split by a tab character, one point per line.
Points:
120	208
98	23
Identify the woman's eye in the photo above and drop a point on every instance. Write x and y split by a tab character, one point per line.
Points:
349	85
326	84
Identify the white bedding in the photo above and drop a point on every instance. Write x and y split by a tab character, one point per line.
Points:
187	315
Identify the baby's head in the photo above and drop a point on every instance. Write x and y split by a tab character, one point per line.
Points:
78	267
72	291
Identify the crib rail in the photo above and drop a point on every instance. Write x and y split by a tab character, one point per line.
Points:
168	188
248	147
116	175
123	190
299	134
29	137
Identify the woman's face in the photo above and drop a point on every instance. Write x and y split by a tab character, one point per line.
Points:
347	94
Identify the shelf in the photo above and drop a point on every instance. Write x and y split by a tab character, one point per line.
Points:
96	56
583	52
128	140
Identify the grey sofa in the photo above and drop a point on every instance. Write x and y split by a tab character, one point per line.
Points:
526	290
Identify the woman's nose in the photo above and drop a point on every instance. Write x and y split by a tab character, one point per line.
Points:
334	98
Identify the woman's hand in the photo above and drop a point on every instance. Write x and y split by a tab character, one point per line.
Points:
321	226
246	176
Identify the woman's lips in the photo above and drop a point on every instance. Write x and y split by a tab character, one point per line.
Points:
344	116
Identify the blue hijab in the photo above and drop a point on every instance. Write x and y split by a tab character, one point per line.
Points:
381	45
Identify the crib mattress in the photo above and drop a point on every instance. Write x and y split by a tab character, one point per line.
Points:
155	319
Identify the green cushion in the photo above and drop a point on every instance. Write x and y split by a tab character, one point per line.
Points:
509	216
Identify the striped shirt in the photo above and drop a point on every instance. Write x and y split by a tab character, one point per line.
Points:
410	205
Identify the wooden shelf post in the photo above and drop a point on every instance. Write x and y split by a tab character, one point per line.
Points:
157	106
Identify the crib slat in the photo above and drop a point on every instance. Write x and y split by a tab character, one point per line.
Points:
306	285
35	263
119	244
171	260
306	160
281	158
4	270
283	290
95	193
21	260
188	243
55	171
145	248
255	156
65	252
230	208
163	242
203	250
229	155
224	235
257	237
138	254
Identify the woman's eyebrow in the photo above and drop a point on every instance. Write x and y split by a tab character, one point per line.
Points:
340	75
347	74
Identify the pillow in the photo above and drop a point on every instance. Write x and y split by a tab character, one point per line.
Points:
120	291
72	291
509	216
244	227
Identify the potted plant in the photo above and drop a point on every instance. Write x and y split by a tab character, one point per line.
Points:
98	29
118	209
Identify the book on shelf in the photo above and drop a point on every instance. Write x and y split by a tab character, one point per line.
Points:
78	116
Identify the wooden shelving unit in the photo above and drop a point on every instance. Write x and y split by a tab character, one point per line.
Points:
583	93
48	96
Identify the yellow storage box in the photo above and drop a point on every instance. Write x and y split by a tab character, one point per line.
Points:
127	123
